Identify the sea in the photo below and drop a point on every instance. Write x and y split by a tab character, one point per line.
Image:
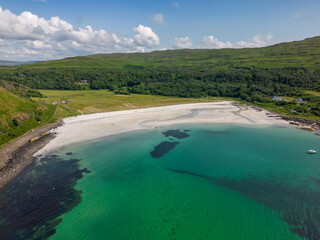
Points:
214	181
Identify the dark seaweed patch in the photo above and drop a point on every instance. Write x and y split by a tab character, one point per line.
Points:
69	153
31	204
163	148
299	206
176	134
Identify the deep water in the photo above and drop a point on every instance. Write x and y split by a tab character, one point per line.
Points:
221	182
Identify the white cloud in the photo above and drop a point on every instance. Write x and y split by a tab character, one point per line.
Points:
257	41
146	37
176	4
158	18
27	34
212	42
184	42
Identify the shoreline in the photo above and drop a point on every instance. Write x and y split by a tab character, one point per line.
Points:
99	125
18	154
21	153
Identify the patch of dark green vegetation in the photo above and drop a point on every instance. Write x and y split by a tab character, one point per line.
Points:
299	206
176	134
163	148
31	204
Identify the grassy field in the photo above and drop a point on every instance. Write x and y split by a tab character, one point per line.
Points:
313	93
94	101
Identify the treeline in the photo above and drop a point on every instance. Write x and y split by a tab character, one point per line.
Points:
254	85
190	82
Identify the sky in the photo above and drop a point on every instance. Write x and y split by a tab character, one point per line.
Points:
33	30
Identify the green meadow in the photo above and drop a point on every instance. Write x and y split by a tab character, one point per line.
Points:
95	101
19	113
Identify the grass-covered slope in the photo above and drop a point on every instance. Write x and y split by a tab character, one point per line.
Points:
18	113
304	53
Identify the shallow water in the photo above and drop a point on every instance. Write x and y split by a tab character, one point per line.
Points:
206	182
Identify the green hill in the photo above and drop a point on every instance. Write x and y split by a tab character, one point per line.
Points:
304	53
273	70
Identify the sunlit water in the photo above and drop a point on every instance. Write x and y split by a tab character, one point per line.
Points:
222	182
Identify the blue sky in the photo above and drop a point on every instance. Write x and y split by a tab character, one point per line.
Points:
130	26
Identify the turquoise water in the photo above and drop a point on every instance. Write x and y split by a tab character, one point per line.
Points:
215	182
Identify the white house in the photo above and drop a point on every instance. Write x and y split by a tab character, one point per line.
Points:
277	98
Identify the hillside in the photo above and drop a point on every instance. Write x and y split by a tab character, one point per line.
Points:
19	113
304	53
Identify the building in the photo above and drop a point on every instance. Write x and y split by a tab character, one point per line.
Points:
298	100
293	111
84	82
277	98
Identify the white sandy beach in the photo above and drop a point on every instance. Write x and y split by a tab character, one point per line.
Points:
88	127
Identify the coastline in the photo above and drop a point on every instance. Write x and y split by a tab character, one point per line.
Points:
94	126
20	153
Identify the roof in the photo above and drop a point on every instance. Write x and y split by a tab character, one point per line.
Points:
276	98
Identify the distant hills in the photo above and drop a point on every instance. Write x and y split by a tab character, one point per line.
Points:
4	63
304	53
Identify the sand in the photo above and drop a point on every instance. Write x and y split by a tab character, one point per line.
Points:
93	126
